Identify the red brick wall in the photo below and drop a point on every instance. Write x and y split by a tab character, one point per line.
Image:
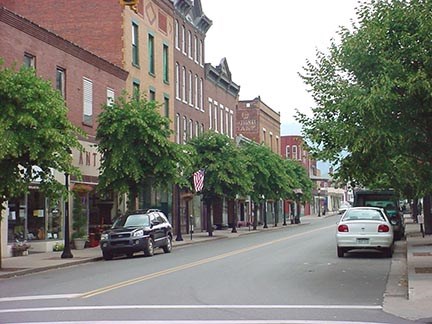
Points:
97	19
16	39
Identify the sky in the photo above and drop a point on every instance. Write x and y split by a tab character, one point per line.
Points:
267	43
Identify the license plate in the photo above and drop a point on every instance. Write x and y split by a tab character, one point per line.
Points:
363	240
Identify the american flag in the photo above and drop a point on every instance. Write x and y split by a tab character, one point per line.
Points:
198	178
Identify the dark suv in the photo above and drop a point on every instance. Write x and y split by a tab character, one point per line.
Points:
141	230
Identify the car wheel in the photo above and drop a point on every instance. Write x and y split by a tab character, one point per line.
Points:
167	248
340	252
149	249
107	255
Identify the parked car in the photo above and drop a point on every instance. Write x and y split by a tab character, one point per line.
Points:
139	231
343	207
386	199
364	228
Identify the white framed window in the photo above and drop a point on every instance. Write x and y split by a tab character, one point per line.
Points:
176	35
183	86
177	81
61	81
177	128
190	98
227	129
196	91
183	42
222	119
185	129
201	52
288	152
196	49
294	152
88	101
201	95
231	124
210	114
190	50
135	44
197	129
215	115
110	97
191	128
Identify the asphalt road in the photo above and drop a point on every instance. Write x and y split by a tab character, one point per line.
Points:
291	275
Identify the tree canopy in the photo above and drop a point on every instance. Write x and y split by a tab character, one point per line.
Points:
35	133
373	113
135	147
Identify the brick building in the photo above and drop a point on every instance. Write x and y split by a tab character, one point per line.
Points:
190	28
222	99
259	122
86	82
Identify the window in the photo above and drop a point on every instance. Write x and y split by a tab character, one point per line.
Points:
222	119
264	136
152	94
190	89
61	81
227	130
287	152
151	54
190	128
184	84
177	128
183	39
136	89
210	115
197	129
231	124
190	45
135	42
88	101
215	115
294	152
185	126
201	103
176	35
196	91
166	105
196	48
177	81
271	141
110	97
29	60
165	64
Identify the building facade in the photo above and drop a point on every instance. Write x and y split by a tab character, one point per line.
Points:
86	82
259	122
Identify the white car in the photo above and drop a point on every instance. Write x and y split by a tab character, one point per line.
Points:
364	228
343	207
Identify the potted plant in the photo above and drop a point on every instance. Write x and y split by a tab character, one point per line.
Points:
79	223
20	248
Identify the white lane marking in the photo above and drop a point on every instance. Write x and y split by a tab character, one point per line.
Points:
125	307
38	297
213	322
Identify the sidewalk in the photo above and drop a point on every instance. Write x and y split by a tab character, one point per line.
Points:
409	288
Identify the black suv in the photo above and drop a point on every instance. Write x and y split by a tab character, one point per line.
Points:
141	230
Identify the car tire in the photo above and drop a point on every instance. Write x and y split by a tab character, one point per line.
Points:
107	256
167	248
340	252
149	249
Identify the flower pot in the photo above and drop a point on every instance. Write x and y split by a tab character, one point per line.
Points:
79	243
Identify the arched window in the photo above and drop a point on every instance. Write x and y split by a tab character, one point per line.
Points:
294	152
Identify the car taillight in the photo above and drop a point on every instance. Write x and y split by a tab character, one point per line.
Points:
343	228
383	228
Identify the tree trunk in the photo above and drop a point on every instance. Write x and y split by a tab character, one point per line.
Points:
427	214
208	203
255	220
414	209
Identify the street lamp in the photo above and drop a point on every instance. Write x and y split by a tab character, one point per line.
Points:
264	211
67	254
319	202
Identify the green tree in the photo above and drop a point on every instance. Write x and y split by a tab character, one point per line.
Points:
373	98
135	147
226	174
34	131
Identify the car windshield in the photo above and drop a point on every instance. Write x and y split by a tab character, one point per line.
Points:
135	220
363	214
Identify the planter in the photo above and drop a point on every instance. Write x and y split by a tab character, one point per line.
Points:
79	243
20	250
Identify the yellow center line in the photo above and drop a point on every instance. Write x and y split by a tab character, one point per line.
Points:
129	282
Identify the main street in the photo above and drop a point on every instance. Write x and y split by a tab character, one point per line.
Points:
288	275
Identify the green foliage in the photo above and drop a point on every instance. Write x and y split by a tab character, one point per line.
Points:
134	144
34	131
79	218
270	174
226	173
373	114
